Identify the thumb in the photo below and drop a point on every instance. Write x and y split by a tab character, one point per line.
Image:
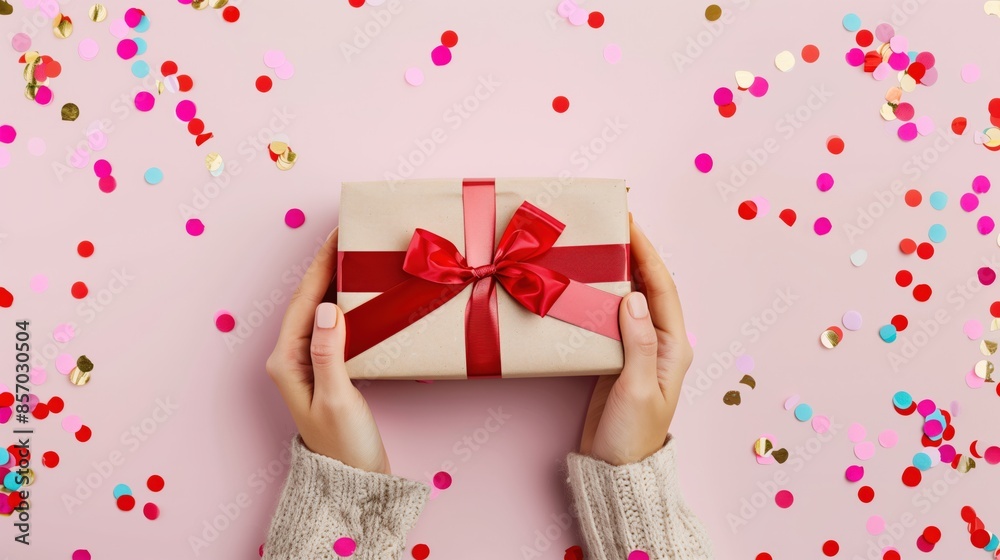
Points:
639	339
327	351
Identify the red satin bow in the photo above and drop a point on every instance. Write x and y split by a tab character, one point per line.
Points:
530	233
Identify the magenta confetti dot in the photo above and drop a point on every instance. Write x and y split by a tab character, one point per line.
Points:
132	17
933	428
441	55
151	511
987	276
294	218
822	226
759	87
784	499
947	453
107	184
923	545
638	555
102	168
344	546
981	184
7	134
854	473
824	182
899	60
703	162
926	407
855	57
907	132
127	48
81	554
194	227
186	110
969	202
904	112
723	96
442	480
985	225
225	322
144	101
43	96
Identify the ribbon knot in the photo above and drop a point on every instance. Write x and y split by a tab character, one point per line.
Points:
481	272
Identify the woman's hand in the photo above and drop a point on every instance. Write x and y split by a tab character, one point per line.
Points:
630	414
307	365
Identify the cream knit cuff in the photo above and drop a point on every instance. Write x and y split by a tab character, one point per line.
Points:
635	507
324	500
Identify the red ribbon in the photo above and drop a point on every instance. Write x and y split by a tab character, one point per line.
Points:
438	272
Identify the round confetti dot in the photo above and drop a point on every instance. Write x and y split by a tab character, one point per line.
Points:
904	111
728	110
144	101
450	38
835	145
913	198
859	257
272	59
856	432
560	104
887	333
102	168
121	490
703	162
21	42
723	96
866	494
937	233
980	538
638	555
820	424
985	225
932	534
875	525
922	461
81	554
922	292
36	146
864	450
822	226
50	459
263	84
852	321
7	134
140	69
127	48
925	251
907	247
107	184
995	309
713	12
911	477
231	14
344	546
747	210
194	227
154	483
43	96
442	480
225	322
196	126
852	22
294	218
987	276
441	55
902	399
992	455
803	412
981	184
907	132
855	57
153	176
79	290
854	473
151	511
831	548
759	87
420	552
39	283
864	38
810	53
824	182
83	434
969	202
939	200
595	20
970	73
185	110
414	76
125	502
356	3
764	556
888	438
900	322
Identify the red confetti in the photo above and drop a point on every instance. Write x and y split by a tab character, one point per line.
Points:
125	502
168	68
356	3
904	278
573	553
184	83
912	477
263	84
151	511
932	534
727	110
810	53
835	144
231	14
922	292
763	556
788	216
6	399
907	246
995	309
422	551
55	405
50	459
994	107
595	20
196	126
449	38
968	514
202	138
913	198
85	249
155	483
866	494
900	322
980	538
747	210
560	104
41	411
831	548
83	434
891	555
225	322
6	298
925	251
864	38
79	290
958	125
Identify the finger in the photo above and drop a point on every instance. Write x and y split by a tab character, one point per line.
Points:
640	342
327	351
298	322
595	410
657	283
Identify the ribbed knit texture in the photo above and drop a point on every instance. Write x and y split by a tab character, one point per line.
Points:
324	500
635	507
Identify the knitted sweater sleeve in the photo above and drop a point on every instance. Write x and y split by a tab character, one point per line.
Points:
324	500
635	507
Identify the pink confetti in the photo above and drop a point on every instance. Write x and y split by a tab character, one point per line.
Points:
973	329
981	184
822	226
127	48
194	227
274	59
969	202
907	132
285	71
119	29
72	423
414	76
854	473
294	218
186	110
144	101
723	96
612	53
820	424
88	49
904	112
36	146
784	499
992	455
985	225
344	546
43	96
824	182
970	73
65	363
442	480
759	87
987	276
21	42
81	554
856	433
441	55
38	376
875	525
703	162
864	450
888	439
39	283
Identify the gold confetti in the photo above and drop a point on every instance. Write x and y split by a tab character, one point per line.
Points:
992	7
287	160
888	112
995	325
785	61
199	4
966	464
713	12
744	79
62	26
30	90
213	162
97	13
219	4
159	87
988	347
762	447
5	8
780	455
732	398
80	375
750	381
70	112
984	369
829	338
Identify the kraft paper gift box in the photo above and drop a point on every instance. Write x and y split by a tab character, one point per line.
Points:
473	278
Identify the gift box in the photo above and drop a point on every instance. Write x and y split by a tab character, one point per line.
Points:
480	278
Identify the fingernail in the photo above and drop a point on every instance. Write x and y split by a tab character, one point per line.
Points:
331	234
326	315
637	307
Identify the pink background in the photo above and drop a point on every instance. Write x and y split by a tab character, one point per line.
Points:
352	119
